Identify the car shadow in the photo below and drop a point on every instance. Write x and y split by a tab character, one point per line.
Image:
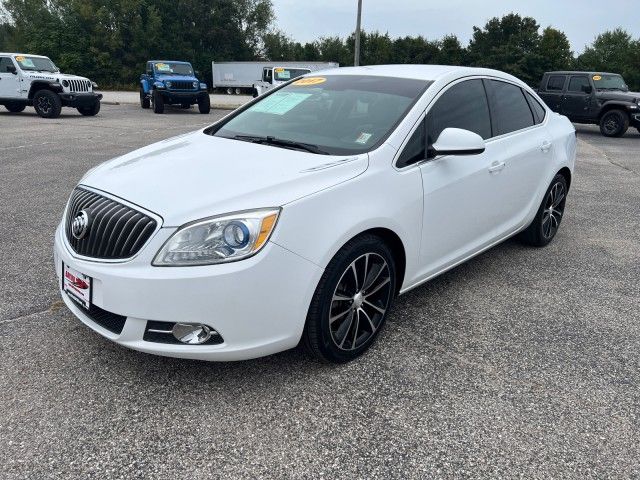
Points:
282	367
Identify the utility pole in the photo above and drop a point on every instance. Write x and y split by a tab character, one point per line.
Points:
356	61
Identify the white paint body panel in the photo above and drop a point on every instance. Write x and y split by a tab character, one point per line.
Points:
444	211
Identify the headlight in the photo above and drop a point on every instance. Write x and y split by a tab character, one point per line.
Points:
168	84
94	84
219	239
195	84
65	83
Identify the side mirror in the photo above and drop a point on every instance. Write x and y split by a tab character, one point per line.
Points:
587	89
455	141
12	69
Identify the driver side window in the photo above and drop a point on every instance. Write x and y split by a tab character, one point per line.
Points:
4	63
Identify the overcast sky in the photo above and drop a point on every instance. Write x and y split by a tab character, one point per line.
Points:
581	20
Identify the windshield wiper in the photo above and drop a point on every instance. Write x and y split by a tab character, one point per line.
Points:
279	142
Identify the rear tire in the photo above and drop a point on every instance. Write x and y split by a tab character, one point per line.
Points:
545	225
158	102
47	104
91	111
351	301
15	107
145	102
204	104
614	123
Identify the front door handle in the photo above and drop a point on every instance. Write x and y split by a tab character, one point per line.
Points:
496	167
545	147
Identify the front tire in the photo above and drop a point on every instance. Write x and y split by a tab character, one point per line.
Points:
204	104
158	102
91	111
47	104
145	102
15	107
545	225
614	123
351	301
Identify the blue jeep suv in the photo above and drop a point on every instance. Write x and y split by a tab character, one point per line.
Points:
167	82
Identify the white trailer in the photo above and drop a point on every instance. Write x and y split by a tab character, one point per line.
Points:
247	77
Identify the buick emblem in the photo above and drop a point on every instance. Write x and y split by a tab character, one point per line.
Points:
80	225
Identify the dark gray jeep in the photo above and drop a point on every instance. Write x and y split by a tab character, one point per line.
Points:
592	97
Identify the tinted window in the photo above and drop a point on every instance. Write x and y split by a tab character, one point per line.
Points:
4	63
415	150
509	108
538	110
576	84
339	114
556	82
462	106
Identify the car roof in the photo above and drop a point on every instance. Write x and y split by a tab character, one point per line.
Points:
419	72
580	72
14	54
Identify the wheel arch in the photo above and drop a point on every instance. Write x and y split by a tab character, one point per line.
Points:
395	244
566	173
607	107
43	85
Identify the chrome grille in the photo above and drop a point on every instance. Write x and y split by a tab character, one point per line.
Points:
181	85
115	232
79	85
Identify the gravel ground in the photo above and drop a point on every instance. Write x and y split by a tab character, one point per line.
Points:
520	363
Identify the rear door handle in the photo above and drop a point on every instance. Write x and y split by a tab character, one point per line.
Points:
545	147
496	167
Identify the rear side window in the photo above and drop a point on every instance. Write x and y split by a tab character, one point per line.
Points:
538	110
509	108
462	106
4	63
576	84
556	83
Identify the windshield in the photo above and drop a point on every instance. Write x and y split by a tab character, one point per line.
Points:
36	64
286	74
610	82
170	68
340	115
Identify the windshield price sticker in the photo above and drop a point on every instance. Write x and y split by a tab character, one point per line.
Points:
20	58
280	103
306	82
364	138
597	77
163	67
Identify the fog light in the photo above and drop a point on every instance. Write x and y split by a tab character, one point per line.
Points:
190	333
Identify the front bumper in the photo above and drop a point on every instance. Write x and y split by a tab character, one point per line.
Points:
170	96
258	305
76	100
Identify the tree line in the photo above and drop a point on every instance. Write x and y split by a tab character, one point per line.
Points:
109	40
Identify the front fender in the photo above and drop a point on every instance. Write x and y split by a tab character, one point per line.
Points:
316	227
629	107
144	85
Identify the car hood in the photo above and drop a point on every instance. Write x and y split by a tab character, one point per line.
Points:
176	78
622	96
195	176
53	76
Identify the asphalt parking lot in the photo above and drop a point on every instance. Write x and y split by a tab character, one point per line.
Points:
519	363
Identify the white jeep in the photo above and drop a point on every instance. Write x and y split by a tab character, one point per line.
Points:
34	80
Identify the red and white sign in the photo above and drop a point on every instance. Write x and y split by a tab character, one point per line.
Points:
77	285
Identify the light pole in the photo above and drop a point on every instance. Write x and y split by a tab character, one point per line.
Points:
356	61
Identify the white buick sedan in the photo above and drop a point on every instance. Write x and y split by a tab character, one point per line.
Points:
301	216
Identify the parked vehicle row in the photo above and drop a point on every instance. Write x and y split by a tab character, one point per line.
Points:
302	215
256	78
595	98
34	80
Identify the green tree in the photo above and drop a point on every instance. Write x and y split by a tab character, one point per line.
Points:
510	43
554	50
616	52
